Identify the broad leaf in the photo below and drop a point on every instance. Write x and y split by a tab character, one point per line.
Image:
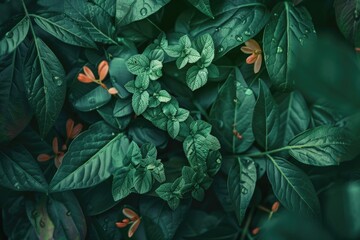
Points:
45	84
234	22
196	77
292	187
133	10
266	119
14	36
92	100
19	170
119	75
322	146
233	110
203	6
241	185
89	159
289	28
65	29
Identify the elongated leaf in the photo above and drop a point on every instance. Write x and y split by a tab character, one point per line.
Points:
65	29
347	17
93	19
203	6
19	171
289	28
233	110
88	160
45	83
235	22
108	5
241	185
14	37
322	146
266	119
92	100
133	10
292	187
294	116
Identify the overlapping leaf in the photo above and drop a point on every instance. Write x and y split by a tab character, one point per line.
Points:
14	36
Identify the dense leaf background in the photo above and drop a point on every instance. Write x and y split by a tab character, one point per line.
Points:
172	133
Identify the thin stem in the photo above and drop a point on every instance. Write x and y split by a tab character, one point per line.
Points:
260	154
202	111
247	224
30	23
152	23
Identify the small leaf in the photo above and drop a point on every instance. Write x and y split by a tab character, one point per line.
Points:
14	36
143	181
196	77
173	128
123	182
205	46
140	102
122	108
138	64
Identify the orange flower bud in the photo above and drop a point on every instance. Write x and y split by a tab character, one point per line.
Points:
275	206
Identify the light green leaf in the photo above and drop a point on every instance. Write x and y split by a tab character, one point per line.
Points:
203	6
196	150
205	45
143	181
163	96
233	110
289	28
196	77
45	84
173	128
123	182
14	36
89	158
138	64
266	119
322	146
292	187
140	102
65	29
185	42
92	100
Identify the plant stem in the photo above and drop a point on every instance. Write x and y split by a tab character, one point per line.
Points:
156	26
260	154
247	224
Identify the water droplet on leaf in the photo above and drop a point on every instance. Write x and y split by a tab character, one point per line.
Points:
239	38
248	92
9	34
221	49
243	21
244	190
92	100
143	11
279	50
68	213
105	227
273	40
59	83
218	161
247	33
220	124
275	14
217	29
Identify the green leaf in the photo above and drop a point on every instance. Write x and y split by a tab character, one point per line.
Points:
233	110
234	23
132	10
123	182
292	187
143	181
196	77
294	116
138	64
266	119
173	128
120	75
122	107
14	37
65	29
92	100
322	146
88	160
289	28
347	15
195	150
93	19
241	185
203	6
19	170
45	84
140	102
163	96
205	46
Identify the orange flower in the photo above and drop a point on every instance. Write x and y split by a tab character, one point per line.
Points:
132	218
253	48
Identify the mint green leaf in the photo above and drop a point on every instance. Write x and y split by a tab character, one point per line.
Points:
198	194
164	191
88	160
157	117
233	109
14	36
19	171
185	42
45	84
205	45
143	181
122	107
133	10
266	119
92	100
241	185
155	69
182	61
123	182
322	146
193	55
196	77
212	143
203	6
140	101
156	54
174	50
292	187
163	96
200	127
133	154
65	29
289	28
148	151
138	64
182	114
173	128
196	150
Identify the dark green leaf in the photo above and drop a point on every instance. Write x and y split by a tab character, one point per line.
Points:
241	185
196	77
143	181
89	159
92	100
266	119
289	28
203	6
14	37
45	83
292	187
122	107
233	110
123	182
120	75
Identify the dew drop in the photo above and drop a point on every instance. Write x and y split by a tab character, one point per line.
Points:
59	82
235	100
112	134
244	190
275	15
273	40
218	161
143	11
217	29
239	38
68	213
9	34
279	50
91	100
221	49
243	21
356	14
314	31
247	33
248	92
265	57
306	31
220	124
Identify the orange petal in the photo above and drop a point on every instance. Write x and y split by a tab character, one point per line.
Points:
55	145
130	213
112	91
121	224
255	231
251	59
133	228
64	147
252	44
69	127
275	206
126	220
257	64
83	78
43	157
76	130
89	73
103	69
246	50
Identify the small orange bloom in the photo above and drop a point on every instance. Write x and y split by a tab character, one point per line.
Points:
132	218
253	48
275	207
